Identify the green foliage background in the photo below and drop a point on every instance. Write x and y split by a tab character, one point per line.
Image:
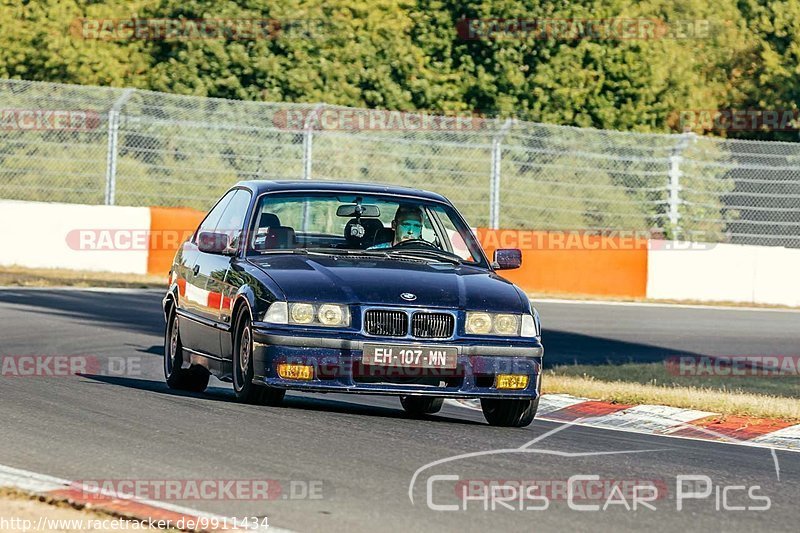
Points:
407	55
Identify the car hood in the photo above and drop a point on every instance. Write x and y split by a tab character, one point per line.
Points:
382	281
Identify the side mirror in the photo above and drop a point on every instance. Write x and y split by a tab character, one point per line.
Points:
213	243
507	258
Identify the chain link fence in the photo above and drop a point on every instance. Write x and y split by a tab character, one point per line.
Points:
93	145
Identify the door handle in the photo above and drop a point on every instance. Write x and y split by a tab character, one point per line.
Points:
196	269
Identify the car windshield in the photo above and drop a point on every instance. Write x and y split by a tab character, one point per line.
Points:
346	224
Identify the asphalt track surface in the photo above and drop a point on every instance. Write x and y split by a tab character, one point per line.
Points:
359	454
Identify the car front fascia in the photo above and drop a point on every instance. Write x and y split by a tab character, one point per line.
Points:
343	347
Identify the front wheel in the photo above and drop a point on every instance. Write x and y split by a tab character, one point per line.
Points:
509	413
417	405
243	387
194	378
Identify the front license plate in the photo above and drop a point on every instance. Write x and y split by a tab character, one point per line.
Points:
410	356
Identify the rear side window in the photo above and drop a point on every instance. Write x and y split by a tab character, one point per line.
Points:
232	219
235	212
213	217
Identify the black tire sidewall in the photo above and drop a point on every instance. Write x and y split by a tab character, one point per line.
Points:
172	371
242	384
420	405
509	413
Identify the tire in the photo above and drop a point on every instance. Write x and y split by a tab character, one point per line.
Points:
243	387
509	413
194	378
420	405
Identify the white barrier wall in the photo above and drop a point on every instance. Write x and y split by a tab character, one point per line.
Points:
78	237
777	277
723	272
115	239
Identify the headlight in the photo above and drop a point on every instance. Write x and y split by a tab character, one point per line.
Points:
329	315
301	313
506	324
479	323
332	315
503	324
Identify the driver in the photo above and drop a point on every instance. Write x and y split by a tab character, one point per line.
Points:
407	226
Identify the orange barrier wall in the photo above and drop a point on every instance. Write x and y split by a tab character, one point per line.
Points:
169	227
573	262
552	262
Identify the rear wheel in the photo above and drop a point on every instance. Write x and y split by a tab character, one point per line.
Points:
419	405
243	387
509	413
194	378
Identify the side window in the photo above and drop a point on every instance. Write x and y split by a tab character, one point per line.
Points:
213	217
457	243
232	219
428	233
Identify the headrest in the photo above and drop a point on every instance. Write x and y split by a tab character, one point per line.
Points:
268	220
355	236
278	237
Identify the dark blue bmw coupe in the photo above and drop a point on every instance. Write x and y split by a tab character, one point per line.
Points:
347	287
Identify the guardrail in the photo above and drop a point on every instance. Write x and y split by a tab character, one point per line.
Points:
95	145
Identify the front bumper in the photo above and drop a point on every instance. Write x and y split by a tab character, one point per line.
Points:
337	366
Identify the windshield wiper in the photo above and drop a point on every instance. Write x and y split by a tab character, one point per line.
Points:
412	254
346	251
426	254
302	251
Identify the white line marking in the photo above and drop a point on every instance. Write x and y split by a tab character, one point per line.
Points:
553	402
788	437
650	418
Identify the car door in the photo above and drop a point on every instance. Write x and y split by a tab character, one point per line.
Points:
192	296
209	279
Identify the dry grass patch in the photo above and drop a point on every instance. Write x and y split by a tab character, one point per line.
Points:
689	397
26	510
16	276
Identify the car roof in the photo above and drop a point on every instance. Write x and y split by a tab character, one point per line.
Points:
262	186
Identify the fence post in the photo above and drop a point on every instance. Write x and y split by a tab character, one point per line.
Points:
494	185
675	174
111	155
308	140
